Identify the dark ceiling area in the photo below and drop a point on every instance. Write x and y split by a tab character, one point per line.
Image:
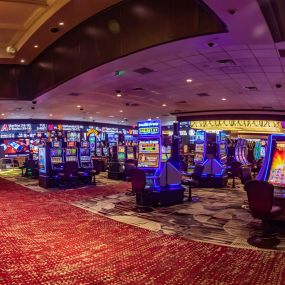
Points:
123	29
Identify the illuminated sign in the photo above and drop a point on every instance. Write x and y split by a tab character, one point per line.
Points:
110	130
92	131
147	128
16	127
236	125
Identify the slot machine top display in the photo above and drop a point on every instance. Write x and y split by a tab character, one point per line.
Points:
149	144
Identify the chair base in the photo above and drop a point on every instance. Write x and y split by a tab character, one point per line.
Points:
263	242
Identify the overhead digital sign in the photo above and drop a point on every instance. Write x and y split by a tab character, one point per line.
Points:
149	128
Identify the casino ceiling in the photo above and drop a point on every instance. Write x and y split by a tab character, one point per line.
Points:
166	58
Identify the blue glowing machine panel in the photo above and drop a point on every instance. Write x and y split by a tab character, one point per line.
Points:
273	167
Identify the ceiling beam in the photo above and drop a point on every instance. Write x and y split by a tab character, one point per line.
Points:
33	2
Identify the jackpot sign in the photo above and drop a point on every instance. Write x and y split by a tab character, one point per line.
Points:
149	128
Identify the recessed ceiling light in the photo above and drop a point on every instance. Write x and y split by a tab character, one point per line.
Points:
163	105
121	111
122	121
50	115
78	106
36	46
97	112
149	119
189	80
3	114
90	117
224	99
22	61
119	95
111	116
157	117
61	23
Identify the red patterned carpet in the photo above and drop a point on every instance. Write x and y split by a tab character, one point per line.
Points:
44	240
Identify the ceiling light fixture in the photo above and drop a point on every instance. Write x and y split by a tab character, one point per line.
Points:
22	61
111	116
224	99
157	117
119	94
50	115
163	105
3	114
90	117
36	46
189	80
149	119
78	106
61	23
122	121
121	111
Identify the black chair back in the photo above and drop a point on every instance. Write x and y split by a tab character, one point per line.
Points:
245	174
235	168
198	170
70	168
260	198
138	180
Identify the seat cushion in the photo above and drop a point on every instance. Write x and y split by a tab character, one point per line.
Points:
275	211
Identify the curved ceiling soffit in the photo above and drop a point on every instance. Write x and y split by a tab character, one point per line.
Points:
120	30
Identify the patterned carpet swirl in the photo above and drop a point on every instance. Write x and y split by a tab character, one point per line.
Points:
45	240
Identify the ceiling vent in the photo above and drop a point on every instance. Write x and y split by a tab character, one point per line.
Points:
138	89
74	94
180	102
267	108
226	62
144	70
251	88
281	52
202	94
132	104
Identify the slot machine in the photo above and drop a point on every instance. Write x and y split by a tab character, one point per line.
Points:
163	179
99	151
85	160
106	152
56	156
222	148
71	151
131	153
200	146
273	167
121	153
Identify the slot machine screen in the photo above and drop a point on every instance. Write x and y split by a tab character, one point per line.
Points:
148	154
85	144
277	171
71	144
130	152
99	151
84	152
121	149
56	144
105	151
200	136
121	155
